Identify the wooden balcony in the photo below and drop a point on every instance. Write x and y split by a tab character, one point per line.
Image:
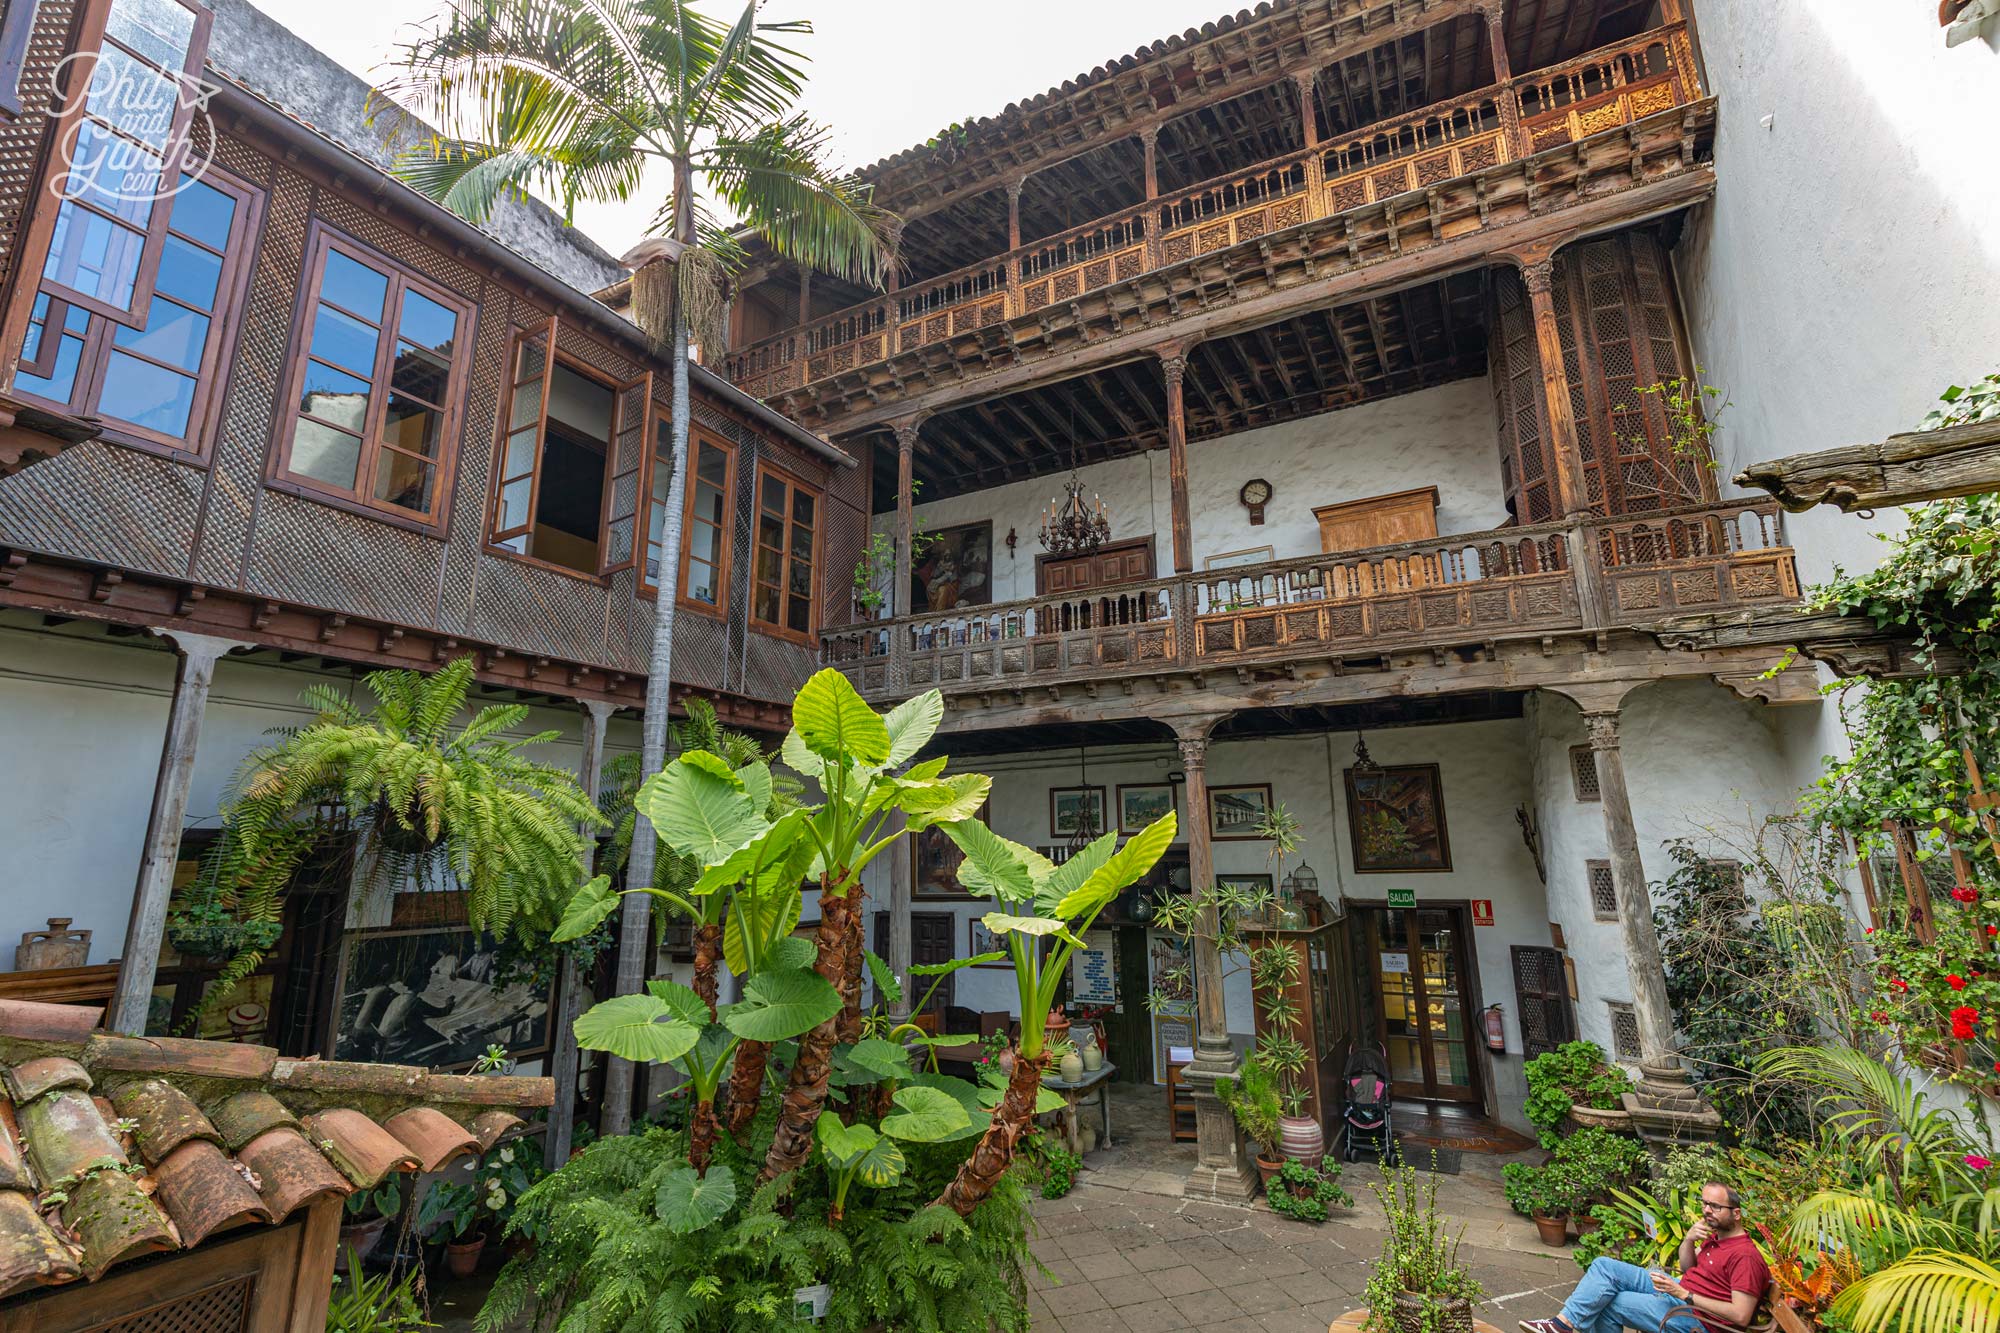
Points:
1465	589
1393	163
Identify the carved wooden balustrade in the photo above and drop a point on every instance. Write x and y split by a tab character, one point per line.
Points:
1613	86
1465	588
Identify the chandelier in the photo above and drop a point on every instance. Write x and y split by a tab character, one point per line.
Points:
1071	526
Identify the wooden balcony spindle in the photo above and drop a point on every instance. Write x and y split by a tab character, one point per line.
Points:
1015	304
1516	143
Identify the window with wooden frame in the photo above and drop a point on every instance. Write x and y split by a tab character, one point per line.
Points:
1603	890
1583	773
124	136
553	500
378	368
156	383
704	572
785	578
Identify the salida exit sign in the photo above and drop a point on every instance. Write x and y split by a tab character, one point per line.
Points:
1402	897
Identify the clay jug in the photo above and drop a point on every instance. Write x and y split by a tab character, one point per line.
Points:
58	946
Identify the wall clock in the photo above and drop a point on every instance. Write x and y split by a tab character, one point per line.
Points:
1256	493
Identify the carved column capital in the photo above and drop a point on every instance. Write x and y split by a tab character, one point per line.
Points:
1306	79
1538	276
1149	135
906	429
1173	364
1194	751
1493	11
1014	185
1602	728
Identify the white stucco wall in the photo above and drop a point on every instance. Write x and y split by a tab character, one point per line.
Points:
1444	437
81	722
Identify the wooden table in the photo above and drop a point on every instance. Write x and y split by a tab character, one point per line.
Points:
1098	1079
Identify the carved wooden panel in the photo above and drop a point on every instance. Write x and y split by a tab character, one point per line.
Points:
1378	520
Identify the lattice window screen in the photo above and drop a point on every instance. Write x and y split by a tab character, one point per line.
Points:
1603	892
1526	474
1583	772
1624	1030
218	1309
1541	996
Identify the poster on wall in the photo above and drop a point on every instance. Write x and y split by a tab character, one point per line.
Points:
1093	973
1170	971
426	997
1173	1043
955	569
935	859
1395	820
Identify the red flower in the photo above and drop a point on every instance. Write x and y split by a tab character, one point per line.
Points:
1898	985
1871	930
1879	1016
1962	1020
1993	930
1965	894
1955	981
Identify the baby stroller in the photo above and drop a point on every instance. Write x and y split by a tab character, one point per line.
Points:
1367	1100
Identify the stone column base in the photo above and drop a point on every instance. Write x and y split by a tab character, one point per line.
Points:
1224	1170
1667	1111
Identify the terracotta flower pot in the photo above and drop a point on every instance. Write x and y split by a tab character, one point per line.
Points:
1301	1139
1554	1231
1409	1315
1616	1120
361	1237
1585	1223
1267	1170
461	1257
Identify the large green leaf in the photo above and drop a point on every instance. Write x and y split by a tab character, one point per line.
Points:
712	763
881	1166
875	1161
642	1028
878	1058
888	990
1064	879
1000	924
792	952
911	724
943	800
680	1000
993	1091
942	969
1124	867
798	758
687	1202
835	724
926	1116
781	1004
966	1094
774	853
756	779
992	864
586	910
698	812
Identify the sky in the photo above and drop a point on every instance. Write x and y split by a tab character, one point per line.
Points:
885	74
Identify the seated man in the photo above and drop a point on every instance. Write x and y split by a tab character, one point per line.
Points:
1722	1276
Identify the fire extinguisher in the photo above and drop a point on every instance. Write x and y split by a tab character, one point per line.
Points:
1496	1032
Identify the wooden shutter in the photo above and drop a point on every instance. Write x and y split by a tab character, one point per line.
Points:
517	465
1541	997
626	493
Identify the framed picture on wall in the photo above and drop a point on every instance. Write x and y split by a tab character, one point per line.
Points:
1139	804
955	569
979	940
1395	820
935	859
425	996
1074	808
1234	812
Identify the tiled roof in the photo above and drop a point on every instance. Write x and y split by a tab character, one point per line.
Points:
112	1147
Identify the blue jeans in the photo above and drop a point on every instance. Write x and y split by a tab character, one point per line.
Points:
1614	1296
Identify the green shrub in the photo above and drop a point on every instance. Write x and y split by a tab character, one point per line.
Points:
1574	1073
1303	1192
1058	1167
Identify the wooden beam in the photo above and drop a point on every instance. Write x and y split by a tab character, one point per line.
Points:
1904	469
1850	643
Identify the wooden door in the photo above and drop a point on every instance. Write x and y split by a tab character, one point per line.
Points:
933	939
1425	1007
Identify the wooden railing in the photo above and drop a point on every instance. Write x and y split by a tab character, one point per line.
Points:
1613	86
1467	587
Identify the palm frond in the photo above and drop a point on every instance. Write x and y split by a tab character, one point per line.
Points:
1870	1101
1931	1291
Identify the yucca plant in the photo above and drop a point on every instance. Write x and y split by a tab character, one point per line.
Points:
424	795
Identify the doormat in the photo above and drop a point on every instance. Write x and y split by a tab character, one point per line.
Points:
1415	1152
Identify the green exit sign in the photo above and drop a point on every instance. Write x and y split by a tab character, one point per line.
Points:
1402	897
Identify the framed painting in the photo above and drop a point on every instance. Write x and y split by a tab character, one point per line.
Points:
1395	820
1139	804
1074	809
934	862
1253	555
979	940
425	996
1235	812
955	569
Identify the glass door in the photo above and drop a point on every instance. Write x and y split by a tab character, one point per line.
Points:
1419	962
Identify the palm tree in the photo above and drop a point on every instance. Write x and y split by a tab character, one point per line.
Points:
577	98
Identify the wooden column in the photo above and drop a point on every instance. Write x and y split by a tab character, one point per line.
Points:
564	1056
1149	222
1173	364
1014	243
1222	1169
1503	77
906	525
193	676
1306	81
1666	1107
902	871
1565	454
805	296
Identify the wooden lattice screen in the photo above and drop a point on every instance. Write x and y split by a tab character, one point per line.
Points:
1541	990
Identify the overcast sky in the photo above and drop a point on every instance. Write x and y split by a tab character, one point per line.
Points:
885	74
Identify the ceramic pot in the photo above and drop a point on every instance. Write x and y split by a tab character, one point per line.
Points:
58	946
1267	1170
461	1257
1585	1224
1072	1068
1617	1120
1554	1231
1301	1138
1409	1317
1093	1059
361	1238
1087	1137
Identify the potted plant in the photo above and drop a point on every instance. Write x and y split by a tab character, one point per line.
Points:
367	1216
1575	1084
202	926
451	1213
1543	1194
1303	1192
1252	1097
1418	1285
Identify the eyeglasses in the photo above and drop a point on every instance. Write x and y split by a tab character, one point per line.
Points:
1708	1205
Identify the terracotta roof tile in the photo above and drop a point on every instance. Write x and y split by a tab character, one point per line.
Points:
215	1129
203	1191
432	1135
166	1117
290	1171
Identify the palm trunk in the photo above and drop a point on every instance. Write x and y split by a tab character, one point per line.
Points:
989	1161
707	950
746	1084
701	1135
850	988
805	1089
635	945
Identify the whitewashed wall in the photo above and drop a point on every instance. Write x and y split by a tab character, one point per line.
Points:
1443	437
81	721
